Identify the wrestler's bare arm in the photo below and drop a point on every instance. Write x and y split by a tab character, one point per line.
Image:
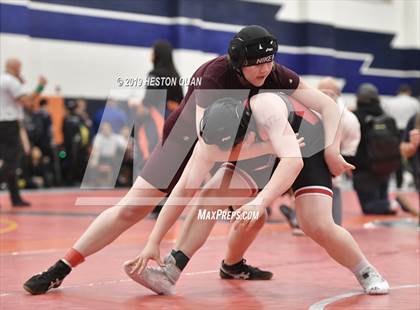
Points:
270	113
321	103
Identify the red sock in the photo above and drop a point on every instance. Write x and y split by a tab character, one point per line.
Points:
73	258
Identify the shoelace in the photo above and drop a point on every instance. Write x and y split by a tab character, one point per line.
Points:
253	269
43	275
249	267
375	276
155	268
372	275
51	273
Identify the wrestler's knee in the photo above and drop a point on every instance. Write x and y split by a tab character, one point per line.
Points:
320	231
131	213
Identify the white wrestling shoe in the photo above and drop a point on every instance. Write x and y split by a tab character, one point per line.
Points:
160	280
372	282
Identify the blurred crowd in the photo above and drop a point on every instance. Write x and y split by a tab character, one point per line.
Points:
102	147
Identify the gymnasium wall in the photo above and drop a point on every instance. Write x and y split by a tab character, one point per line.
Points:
83	47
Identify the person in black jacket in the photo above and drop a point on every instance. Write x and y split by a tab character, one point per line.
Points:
161	98
163	70
371	190
410	150
76	144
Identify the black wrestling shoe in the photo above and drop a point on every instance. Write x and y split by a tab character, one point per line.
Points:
290	215
20	204
44	281
243	271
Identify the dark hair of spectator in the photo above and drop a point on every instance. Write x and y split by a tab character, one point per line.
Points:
70	105
404	88
43	102
367	94
163	61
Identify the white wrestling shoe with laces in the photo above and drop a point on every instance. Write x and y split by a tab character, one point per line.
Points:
372	282
160	280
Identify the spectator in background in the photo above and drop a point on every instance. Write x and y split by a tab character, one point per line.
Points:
410	150
410	146
147	132
81	106
401	108
43	119
30	124
12	134
112	114
76	145
160	98
371	189
38	165
46	144
163	67
125	177
105	150
37	172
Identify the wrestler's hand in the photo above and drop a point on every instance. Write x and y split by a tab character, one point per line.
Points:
335	162
300	140
246	216
150	251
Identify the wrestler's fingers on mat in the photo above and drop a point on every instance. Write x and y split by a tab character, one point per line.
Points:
143	265
138	265
159	261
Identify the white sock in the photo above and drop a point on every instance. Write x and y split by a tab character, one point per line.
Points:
360	266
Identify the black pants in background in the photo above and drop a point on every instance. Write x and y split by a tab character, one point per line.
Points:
399	173
372	193
10	155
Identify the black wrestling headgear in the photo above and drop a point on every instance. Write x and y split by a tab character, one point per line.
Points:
252	45
225	123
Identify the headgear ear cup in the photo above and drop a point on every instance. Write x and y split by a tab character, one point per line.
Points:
237	52
275	44
223	123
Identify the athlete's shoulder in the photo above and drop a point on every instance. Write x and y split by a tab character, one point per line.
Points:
285	78
215	66
214	73
266	103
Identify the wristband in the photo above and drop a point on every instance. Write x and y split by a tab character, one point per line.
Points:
39	89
